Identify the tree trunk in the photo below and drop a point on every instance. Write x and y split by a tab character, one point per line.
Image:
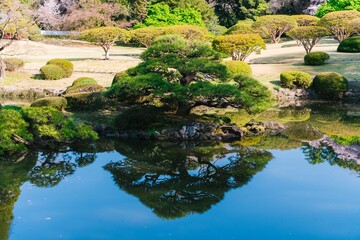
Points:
2	69
106	49
107	55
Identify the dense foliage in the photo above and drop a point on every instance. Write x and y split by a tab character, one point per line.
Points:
350	45
295	79
41	125
146	36
239	46
52	72
316	58
182	74
64	64
337	5
238	67
161	15
59	103
330	85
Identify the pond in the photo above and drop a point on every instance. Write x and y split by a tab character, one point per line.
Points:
275	187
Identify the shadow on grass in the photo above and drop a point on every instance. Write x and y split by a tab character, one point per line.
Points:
275	82
38	76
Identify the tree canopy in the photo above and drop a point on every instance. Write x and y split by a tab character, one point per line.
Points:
274	26
308	36
106	37
339	23
184	74
337	5
239	46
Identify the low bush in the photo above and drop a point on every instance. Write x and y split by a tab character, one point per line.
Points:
316	58
330	85
89	101
66	65
84	81
84	88
295	79
13	64
52	72
238	67
49	125
350	45
11	124
59	103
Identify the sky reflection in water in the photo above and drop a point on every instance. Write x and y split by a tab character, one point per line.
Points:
288	199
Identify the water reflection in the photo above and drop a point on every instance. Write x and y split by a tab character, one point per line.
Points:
178	179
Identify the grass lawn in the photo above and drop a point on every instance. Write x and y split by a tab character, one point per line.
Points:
87	60
288	56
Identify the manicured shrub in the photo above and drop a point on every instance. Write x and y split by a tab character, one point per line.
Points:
316	58
85	88
238	67
84	81
350	45
89	101
295	79
66	65
52	72
330	85
55	102
13	64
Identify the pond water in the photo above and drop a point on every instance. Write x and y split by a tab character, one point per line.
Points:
274	187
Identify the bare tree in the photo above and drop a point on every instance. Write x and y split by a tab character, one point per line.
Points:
14	23
49	15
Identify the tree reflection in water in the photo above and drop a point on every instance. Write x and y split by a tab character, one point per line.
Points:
43	169
176	179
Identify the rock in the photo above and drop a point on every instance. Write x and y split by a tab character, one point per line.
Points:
231	133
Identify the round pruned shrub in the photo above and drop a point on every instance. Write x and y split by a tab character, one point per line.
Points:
52	72
13	64
66	65
316	58
330	85
86	101
84	88
295	79
238	67
84	81
55	102
351	45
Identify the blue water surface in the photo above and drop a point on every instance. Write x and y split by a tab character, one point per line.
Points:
288	199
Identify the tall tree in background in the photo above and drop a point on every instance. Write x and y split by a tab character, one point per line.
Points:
138	9
230	11
288	6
